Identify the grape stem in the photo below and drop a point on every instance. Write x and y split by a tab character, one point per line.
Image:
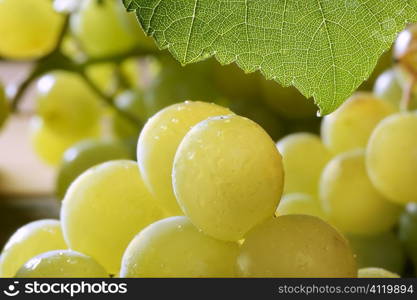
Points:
56	60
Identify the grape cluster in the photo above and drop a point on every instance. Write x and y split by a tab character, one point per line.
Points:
210	194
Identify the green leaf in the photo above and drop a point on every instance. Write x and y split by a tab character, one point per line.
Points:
325	48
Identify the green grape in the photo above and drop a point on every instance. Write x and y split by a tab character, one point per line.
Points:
30	240
376	273
260	114
84	155
405	53
234	84
103	29
391	158
236	174
4	107
168	87
287	101
131	102
350	126
66	103
104	208
304	156
295	246
349	199
407	232
300	204
50	146
61	264
381	250
103	76
159	141
173	247
387	87
29	29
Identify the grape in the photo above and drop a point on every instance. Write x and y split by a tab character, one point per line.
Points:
299	204
349	199
103	29
158	143
131	102
61	264
388	88
376	273
66	104
350	126
381	250
30	240
104	208
29	29
391	158
407	232
103	77
173	247
4	107
84	155
304	157
405	49
227	176
287	101
50	146
295	246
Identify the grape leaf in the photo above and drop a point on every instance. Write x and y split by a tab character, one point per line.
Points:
325	48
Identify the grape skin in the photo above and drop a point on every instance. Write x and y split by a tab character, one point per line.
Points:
304	157
236	174
61	264
350	126
173	247
376	273
391	158
300	204
28	241
350	201
29	29
104	209
295	246
159	141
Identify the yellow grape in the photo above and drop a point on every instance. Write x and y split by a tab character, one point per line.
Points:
350	126
304	157
376	273
30	240
391	158
50	146
173	247
295	246
61	264
227	176
103	76
349	199
159	141
104	208
29	29
300	204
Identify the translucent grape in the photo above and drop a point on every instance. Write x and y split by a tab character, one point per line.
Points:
349	199
391	158
103	29
295	246
29	29
30	240
104	208
376	273
350	126
84	155
173	247
405	49
387	87
159	141
407	231
103	76
300	204
50	146
61	264
66	103
227	176
304	157
382	250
